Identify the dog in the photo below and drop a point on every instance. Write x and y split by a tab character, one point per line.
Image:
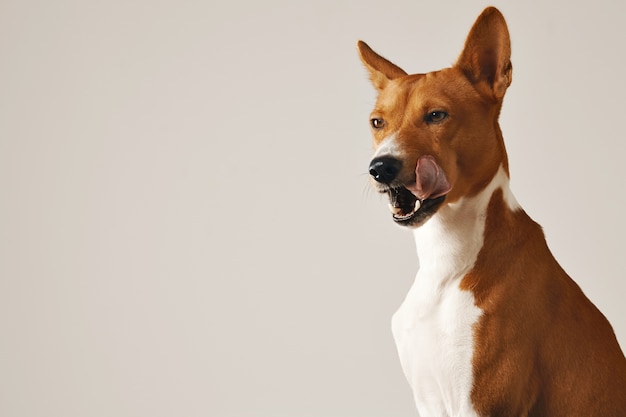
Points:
492	325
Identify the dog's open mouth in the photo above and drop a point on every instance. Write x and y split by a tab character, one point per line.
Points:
408	210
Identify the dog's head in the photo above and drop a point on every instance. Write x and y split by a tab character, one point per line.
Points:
436	135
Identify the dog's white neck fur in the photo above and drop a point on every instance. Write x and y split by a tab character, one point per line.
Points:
448	243
433	326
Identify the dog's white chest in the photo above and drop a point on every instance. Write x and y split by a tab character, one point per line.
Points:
435	344
433	328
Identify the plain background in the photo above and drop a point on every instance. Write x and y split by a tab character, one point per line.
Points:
186	226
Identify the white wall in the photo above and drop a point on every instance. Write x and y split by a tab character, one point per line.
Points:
186	227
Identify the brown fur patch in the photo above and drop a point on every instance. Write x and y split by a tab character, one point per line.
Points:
541	347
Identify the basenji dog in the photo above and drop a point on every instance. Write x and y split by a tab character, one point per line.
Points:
492	325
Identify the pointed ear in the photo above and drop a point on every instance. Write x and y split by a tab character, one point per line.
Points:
486	57
381	71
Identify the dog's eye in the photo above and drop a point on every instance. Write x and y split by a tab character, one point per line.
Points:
436	116
377	123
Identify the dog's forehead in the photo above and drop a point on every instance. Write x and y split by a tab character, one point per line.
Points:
417	91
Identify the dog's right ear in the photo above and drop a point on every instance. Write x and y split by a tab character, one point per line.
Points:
381	71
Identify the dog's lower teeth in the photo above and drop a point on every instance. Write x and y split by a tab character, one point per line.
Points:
398	213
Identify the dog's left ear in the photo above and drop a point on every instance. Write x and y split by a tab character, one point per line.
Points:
486	57
381	70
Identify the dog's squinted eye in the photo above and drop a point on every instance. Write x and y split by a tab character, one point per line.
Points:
377	123
436	116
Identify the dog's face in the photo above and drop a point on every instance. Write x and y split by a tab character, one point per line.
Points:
436	135
427	130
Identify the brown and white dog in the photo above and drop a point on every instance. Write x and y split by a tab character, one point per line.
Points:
492	325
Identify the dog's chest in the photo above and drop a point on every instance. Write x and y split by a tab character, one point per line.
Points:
434	337
434	326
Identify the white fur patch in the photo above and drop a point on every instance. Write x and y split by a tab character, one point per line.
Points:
433	326
388	147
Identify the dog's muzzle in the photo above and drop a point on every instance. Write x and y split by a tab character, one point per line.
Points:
412	204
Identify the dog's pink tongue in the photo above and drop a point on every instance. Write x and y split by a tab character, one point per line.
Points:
430	180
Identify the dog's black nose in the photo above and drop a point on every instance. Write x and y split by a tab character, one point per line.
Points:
384	169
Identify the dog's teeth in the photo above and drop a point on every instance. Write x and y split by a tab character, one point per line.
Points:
398	213
395	210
